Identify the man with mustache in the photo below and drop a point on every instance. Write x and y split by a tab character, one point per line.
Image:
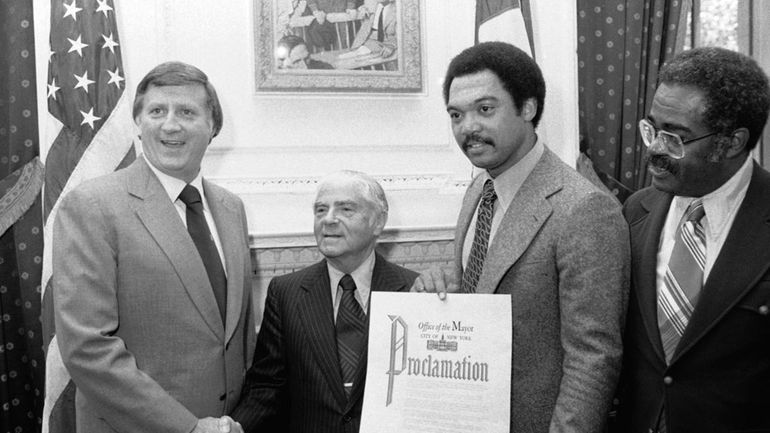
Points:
532	227
310	361
697	356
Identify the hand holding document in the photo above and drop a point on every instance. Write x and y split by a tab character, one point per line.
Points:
438	366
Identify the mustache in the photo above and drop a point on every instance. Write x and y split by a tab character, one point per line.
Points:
478	139
663	162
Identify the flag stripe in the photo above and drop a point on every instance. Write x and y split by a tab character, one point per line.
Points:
85	92
505	20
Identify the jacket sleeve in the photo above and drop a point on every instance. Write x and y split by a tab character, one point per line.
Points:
86	316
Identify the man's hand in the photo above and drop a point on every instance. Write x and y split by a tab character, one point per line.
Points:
386	51
435	280
320	16
214	425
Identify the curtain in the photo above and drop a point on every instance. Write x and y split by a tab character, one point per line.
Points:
621	45
21	232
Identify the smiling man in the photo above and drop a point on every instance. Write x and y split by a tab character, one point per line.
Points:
532	227
697	354
310	361
152	275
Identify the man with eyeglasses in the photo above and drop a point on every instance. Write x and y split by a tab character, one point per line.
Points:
697	340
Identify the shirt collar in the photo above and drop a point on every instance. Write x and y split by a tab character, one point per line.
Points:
723	202
174	186
362	276
507	183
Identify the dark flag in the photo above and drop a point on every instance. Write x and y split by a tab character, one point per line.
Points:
507	21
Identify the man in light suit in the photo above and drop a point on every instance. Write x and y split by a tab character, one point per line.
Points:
155	331
711	374
300	381
532	227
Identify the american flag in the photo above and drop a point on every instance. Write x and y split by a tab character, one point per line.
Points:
506	21
94	136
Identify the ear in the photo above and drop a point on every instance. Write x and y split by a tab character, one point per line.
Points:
529	109
379	223
737	142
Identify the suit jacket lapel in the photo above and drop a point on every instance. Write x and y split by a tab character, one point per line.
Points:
225	216
161	219
385	278
744	258
317	313
645	267
528	211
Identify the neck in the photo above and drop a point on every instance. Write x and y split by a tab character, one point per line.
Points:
350	264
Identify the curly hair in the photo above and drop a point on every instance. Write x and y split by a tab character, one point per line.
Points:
518	72
735	87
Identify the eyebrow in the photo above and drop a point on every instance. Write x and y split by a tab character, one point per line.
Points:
668	126
477	101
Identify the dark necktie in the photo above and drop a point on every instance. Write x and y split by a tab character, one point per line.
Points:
380	31
478	253
351	328
201	236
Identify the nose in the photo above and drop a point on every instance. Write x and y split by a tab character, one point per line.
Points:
330	217
170	123
657	146
469	125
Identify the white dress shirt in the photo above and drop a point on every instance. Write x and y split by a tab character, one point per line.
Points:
721	206
362	276
173	187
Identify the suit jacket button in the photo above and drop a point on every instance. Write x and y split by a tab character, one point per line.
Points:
347	418
764	310
668	380
222	397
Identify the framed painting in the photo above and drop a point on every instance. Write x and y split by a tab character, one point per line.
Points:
329	46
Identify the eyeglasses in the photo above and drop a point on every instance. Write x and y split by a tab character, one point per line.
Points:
672	144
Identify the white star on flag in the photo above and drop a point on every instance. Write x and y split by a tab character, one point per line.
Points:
83	81
50	54
52	89
109	43
103	7
77	45
89	118
72	10
115	77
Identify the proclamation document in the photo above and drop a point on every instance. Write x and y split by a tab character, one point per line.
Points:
438	366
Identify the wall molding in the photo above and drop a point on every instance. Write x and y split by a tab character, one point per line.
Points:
443	182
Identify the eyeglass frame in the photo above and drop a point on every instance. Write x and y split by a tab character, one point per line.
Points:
678	139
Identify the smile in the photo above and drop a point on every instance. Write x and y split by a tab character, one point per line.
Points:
172	142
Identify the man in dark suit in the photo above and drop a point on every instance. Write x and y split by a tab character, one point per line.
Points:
154	325
532	227
697	354
308	372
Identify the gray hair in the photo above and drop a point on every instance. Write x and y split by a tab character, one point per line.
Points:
367	185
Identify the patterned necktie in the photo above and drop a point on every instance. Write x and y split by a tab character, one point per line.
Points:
684	278
478	253
204	242
351	328
380	30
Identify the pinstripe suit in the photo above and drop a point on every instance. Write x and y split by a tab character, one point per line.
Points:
294	384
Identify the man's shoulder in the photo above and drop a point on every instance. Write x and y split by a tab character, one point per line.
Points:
633	203
406	275
306	275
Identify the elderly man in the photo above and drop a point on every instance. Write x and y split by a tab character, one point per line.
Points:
697	354
152	276
310	361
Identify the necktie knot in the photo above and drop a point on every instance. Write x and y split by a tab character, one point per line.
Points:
695	212
191	197
488	194
347	283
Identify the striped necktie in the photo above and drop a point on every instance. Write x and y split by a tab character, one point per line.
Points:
351	330
478	253
684	279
